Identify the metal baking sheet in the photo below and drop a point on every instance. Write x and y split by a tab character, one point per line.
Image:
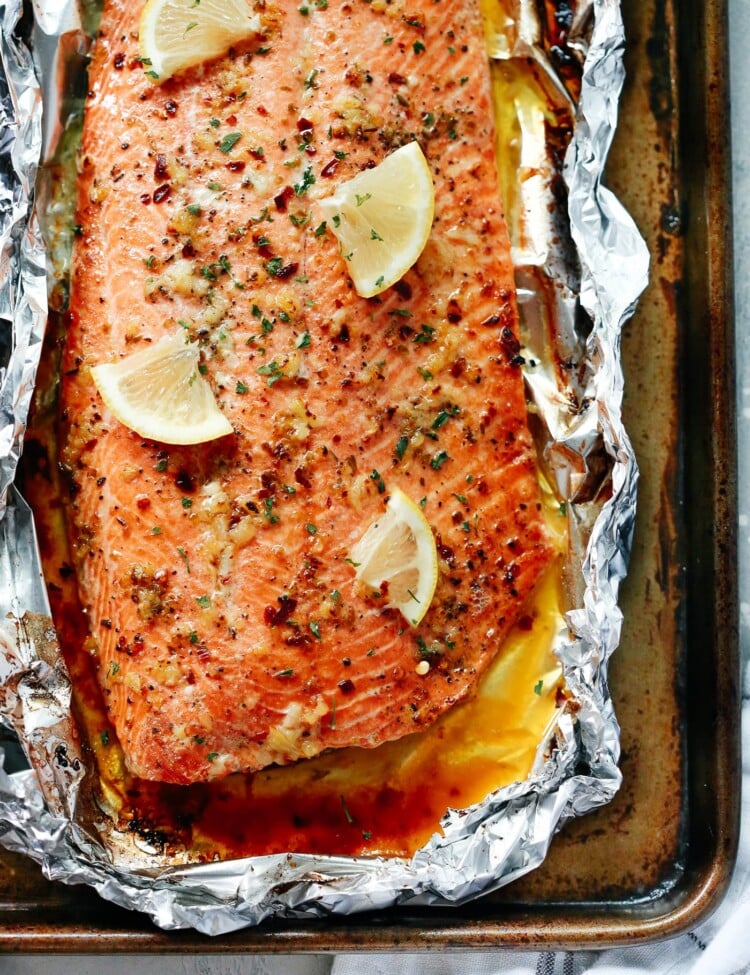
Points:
659	857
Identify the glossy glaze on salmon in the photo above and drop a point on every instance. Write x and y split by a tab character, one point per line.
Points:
227	627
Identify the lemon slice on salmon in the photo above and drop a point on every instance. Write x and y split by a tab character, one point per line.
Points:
397	555
160	393
382	218
178	34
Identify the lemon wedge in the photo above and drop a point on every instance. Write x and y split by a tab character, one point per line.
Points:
160	393
382	218
178	34
397	553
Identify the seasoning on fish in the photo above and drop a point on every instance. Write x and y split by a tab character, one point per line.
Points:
226	619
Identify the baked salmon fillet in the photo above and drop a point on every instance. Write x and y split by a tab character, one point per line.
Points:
227	626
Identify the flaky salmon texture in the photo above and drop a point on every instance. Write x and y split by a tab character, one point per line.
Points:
228	629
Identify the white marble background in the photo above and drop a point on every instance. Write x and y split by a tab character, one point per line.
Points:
647	959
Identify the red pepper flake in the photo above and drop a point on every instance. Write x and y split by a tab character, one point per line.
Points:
119	61
282	199
458	367
346	686
396	79
145	199
236	167
285	271
188	250
160	168
298	640
300	476
231	120
262	110
330	168
170	107
454	312
509	342
275	617
258	153
403	289
162	193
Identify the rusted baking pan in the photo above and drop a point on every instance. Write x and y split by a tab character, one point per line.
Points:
659	857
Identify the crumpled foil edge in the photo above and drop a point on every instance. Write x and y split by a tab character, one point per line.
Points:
481	848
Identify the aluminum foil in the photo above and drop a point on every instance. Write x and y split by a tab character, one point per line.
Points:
47	810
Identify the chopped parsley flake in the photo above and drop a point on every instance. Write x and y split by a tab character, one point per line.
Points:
268	511
229	141
438	460
308	178
401	445
425	335
184	557
538	687
203	601
443	416
273	371
378	478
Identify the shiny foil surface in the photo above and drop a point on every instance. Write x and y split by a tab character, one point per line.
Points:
580	262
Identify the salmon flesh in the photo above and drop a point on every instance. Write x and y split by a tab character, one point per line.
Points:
228	629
